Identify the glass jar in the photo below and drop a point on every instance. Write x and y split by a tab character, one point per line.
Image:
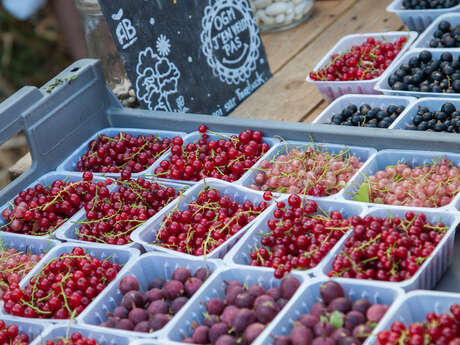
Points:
278	15
99	45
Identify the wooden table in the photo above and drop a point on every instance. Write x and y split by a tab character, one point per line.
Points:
292	55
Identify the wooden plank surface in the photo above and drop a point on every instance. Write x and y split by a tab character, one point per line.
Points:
287	96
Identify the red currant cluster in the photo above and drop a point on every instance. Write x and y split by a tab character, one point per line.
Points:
112	216
227	158
299	238
364	62
75	339
42	209
123	152
443	329
10	335
389	249
207	223
14	265
63	288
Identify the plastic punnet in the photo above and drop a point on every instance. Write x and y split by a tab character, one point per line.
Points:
146	268
122	256
48	179
434	266
361	152
309	295
423	41
66	232
31	327
381	101
330	90
146	234
194	137
239	254
418	20
215	288
382	84
386	158
56	332
70	163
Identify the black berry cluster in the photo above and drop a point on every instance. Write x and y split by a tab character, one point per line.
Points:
447	119
446	36
428	4
367	116
423	73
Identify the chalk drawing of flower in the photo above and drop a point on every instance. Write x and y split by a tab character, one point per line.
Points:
163	45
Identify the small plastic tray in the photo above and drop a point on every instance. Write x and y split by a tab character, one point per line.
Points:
239	254
54	332
423	41
145	234
382	84
66	232
48	179
215	288
70	163
432	103
333	89
386	158
122	256
433	268
146	268
418	20
361	152
380	101
193	138
31	327
375	293
414	306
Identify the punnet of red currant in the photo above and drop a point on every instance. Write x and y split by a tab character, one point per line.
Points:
64	285
72	336
205	218
210	154
14	332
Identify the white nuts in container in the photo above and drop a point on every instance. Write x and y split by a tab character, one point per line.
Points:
280	13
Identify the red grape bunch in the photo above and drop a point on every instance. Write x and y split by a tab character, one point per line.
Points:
207	222
298	237
227	158
442	329
335	320
389	249
75	338
150	311
112	216
123	153
306	170
42	209
10	335
242	315
63	288
362	62
421	186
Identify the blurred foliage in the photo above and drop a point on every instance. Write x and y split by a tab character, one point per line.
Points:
31	52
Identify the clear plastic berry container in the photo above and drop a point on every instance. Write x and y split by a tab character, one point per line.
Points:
375	293
32	328
122	256
380	101
423	41
418	20
239	254
363	153
146	268
56	332
432	269
215	288
67	231
386	158
146	234
70	163
331	90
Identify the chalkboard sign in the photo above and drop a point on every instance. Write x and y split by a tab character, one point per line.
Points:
200	56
